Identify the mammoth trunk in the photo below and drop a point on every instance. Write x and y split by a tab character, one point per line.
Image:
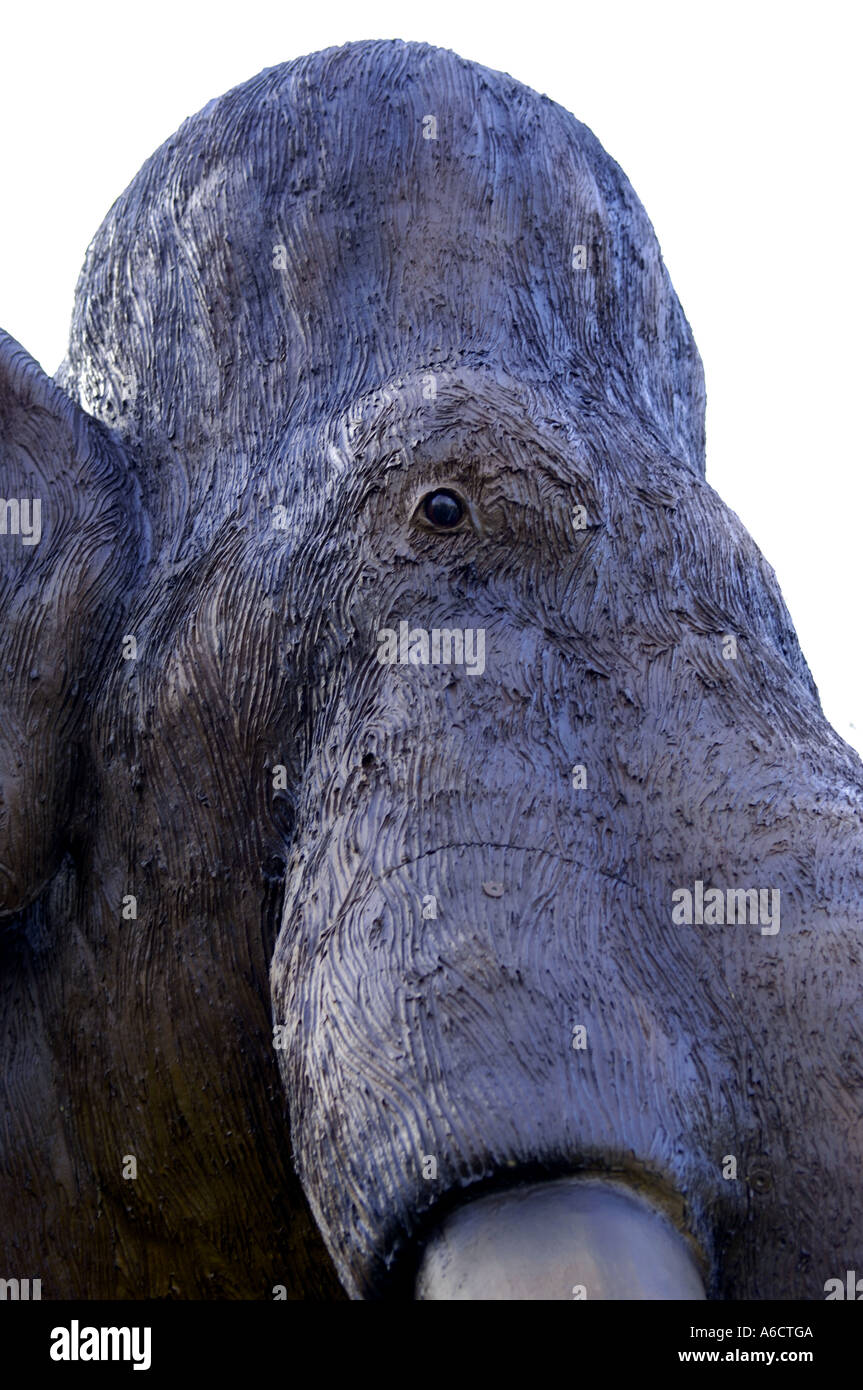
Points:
435	1049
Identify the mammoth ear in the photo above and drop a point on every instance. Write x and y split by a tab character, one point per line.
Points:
68	551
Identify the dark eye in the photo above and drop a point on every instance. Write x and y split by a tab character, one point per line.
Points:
443	509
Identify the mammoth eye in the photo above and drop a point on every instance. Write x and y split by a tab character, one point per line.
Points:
443	509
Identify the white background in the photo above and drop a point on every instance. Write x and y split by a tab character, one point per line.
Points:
737	123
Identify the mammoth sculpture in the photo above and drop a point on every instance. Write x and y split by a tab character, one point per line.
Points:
425	867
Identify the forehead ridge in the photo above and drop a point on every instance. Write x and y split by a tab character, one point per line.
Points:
400	253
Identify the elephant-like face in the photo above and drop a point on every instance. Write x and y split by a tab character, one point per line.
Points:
442	615
482	960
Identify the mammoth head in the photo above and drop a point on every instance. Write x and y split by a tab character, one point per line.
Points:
460	703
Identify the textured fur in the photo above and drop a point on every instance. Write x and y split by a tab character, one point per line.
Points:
204	389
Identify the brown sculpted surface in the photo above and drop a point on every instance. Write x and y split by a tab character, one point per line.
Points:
377	361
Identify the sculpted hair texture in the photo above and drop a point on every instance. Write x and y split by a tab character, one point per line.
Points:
332	946
451	252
